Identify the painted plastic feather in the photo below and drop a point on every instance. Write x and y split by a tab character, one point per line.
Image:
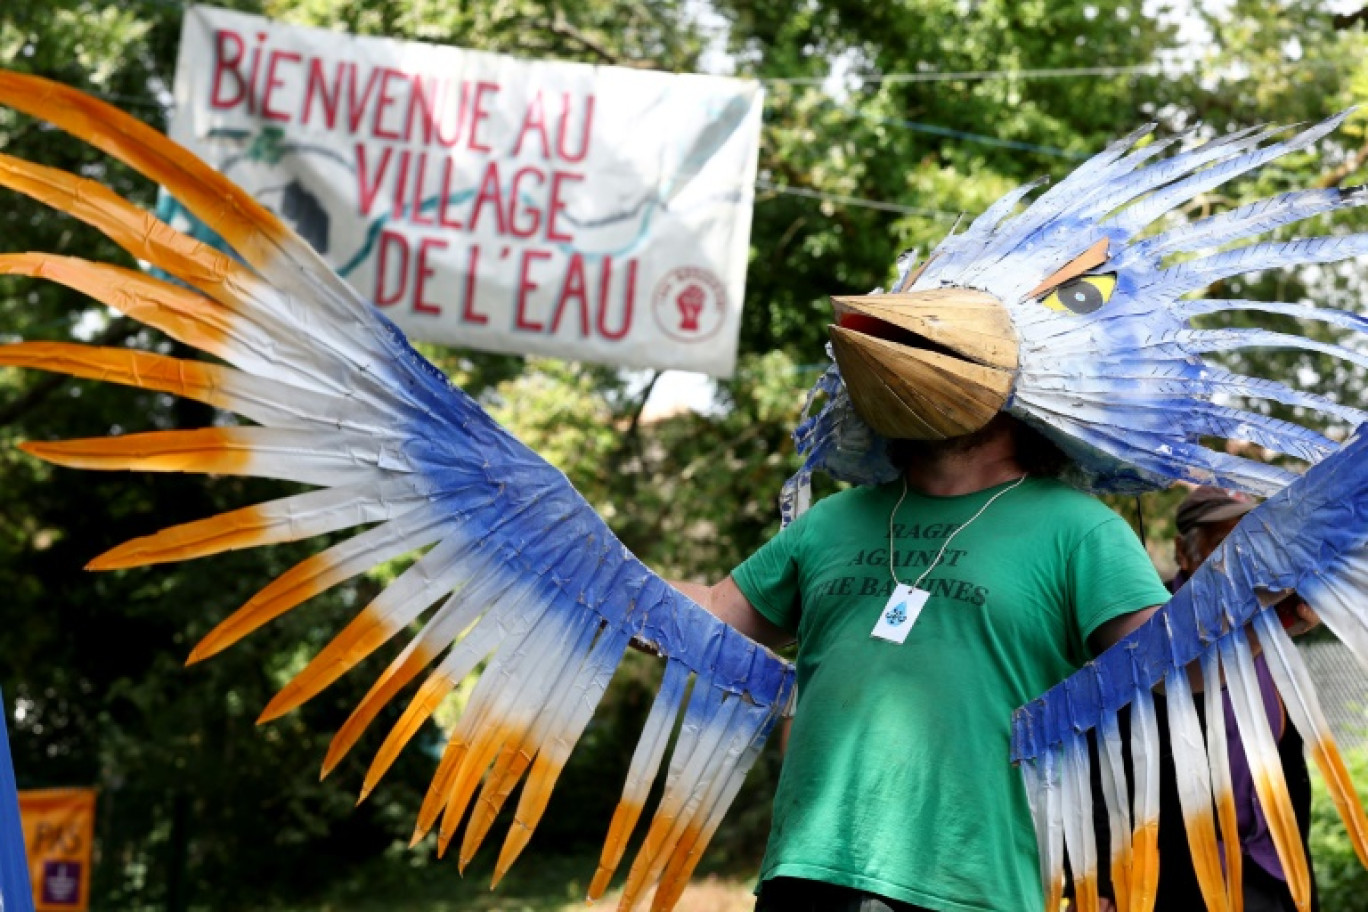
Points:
519	574
1311	538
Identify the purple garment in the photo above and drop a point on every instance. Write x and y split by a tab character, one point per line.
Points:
1255	839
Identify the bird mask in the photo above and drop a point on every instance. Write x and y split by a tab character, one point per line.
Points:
1074	316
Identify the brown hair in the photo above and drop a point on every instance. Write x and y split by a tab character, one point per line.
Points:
1036	453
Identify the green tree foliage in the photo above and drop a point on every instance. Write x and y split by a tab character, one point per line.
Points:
200	808
1341	879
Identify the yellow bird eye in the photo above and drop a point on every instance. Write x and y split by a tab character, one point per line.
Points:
1082	295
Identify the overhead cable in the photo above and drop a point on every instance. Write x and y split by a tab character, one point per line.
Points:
843	200
980	138
1144	69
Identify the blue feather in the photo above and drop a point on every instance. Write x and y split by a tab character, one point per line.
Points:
1135	218
1244	222
1304	538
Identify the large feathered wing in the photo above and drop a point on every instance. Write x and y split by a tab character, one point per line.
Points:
519	573
1312	539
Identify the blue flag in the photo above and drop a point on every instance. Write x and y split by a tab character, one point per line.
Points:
16	894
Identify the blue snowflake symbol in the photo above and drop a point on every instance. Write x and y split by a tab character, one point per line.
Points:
897	614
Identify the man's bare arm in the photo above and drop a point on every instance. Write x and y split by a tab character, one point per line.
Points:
726	602
1114	630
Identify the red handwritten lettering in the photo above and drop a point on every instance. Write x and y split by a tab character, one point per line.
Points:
367	191
318	84
400	183
356	107
489	192
628	298
424	273
419	179
525	285
227	55
391	241
275	81
557	205
514	201
480	115
573	287
448	166
383	102
450	140
252	74
468	312
561	148
534	121
423	101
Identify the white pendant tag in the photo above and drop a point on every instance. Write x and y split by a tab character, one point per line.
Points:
898	616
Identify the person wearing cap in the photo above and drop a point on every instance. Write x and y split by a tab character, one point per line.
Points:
1204	518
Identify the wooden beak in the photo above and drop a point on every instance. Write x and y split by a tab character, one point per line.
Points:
925	365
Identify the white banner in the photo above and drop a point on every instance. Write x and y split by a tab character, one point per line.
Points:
481	200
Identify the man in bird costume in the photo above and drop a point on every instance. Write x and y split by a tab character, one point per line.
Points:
925	610
1069	317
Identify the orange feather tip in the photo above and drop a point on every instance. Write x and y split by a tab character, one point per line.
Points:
277	707
599	885
500	871
292	696
130	554
204	649
221	637
108	561
330	761
518	838
329	764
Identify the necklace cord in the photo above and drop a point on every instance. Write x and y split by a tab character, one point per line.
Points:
948	539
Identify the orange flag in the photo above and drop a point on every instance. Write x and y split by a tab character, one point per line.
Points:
59	830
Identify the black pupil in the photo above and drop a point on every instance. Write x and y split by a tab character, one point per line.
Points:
1080	296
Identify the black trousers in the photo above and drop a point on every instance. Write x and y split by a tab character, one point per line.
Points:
1263	892
793	894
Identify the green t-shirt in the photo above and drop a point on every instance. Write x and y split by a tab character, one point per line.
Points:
897	778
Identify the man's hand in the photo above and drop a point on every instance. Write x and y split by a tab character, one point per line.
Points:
1296	616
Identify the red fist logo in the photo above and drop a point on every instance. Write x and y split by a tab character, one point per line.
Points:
690	302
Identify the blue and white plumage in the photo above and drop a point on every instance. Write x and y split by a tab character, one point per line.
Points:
1311	538
525	578
520	574
1125	390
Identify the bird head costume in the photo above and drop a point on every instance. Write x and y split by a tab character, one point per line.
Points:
1068	315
